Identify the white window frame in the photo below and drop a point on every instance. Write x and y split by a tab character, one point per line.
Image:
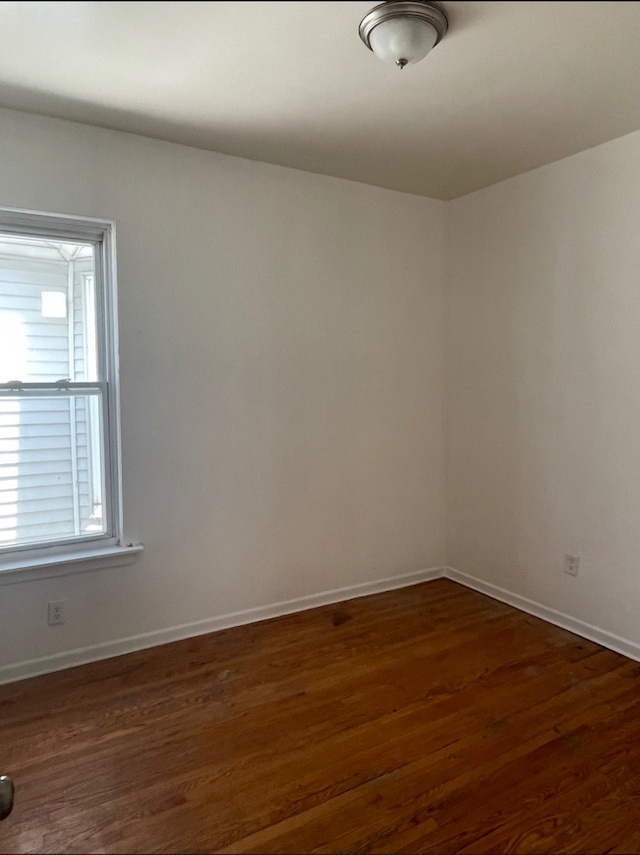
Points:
90	356
91	550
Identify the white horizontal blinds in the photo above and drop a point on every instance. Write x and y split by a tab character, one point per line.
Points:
45	492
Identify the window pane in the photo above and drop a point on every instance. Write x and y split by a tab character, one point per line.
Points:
47	310
51	468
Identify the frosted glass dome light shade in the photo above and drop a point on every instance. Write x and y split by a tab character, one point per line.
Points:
403	33
401	39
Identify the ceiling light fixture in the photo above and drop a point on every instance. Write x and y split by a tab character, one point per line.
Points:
403	33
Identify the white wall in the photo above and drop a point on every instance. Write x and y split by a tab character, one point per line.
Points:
544	385
282	358
282	351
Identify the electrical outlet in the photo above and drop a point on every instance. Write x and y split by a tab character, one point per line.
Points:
571	564
56	612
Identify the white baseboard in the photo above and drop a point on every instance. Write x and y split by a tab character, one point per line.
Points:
586	630
106	650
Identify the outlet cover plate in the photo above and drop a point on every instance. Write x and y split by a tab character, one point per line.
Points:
571	564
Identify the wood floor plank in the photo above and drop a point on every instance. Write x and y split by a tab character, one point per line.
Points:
430	719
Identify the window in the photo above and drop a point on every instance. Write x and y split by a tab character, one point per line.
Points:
59	455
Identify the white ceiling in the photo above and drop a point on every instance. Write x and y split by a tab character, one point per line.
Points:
512	86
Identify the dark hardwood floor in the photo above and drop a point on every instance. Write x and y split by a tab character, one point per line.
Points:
430	719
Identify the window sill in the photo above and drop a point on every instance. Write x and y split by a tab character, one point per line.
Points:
30	568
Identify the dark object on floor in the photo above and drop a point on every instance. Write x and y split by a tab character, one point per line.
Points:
7	791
